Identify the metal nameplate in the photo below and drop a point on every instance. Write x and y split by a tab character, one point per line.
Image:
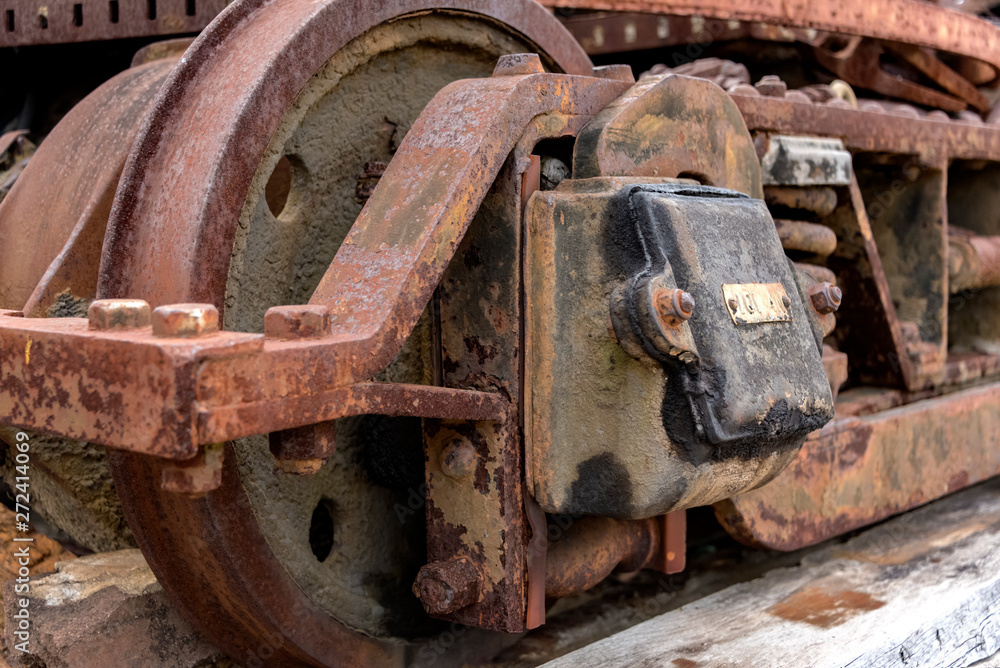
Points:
752	303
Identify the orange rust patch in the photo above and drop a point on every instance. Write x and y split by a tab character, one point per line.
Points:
824	609
684	663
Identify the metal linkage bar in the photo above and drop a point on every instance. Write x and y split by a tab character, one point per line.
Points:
163	391
906	21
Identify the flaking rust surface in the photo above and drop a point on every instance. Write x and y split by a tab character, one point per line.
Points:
902	21
470	514
858	471
481	515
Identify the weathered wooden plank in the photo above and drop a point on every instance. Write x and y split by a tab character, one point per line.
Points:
922	589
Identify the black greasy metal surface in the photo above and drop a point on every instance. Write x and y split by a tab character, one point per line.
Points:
754	383
614	431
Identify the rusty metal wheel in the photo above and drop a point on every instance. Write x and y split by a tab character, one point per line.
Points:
51	228
238	192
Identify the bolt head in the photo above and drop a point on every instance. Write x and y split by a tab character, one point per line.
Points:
459	459
447	586
116	314
296	322
515	64
825	297
303	450
685	304
435	592
185	320
674	306
197	476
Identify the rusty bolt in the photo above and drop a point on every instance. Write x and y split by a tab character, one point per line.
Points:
734	303
303	450
772	86
786	301
197	476
296	322
108	314
447	586
686	303
518	63
185	320
825	297
459	458
674	305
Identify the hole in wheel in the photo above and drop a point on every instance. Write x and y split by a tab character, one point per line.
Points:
321	530
278	186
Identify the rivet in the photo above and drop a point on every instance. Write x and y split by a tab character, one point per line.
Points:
185	320
459	459
296	322
115	314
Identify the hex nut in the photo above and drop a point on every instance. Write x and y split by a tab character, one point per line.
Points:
447	586
185	320
296	322
117	314
459	459
825	297
195	477
673	306
303	450
771	86
515	64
